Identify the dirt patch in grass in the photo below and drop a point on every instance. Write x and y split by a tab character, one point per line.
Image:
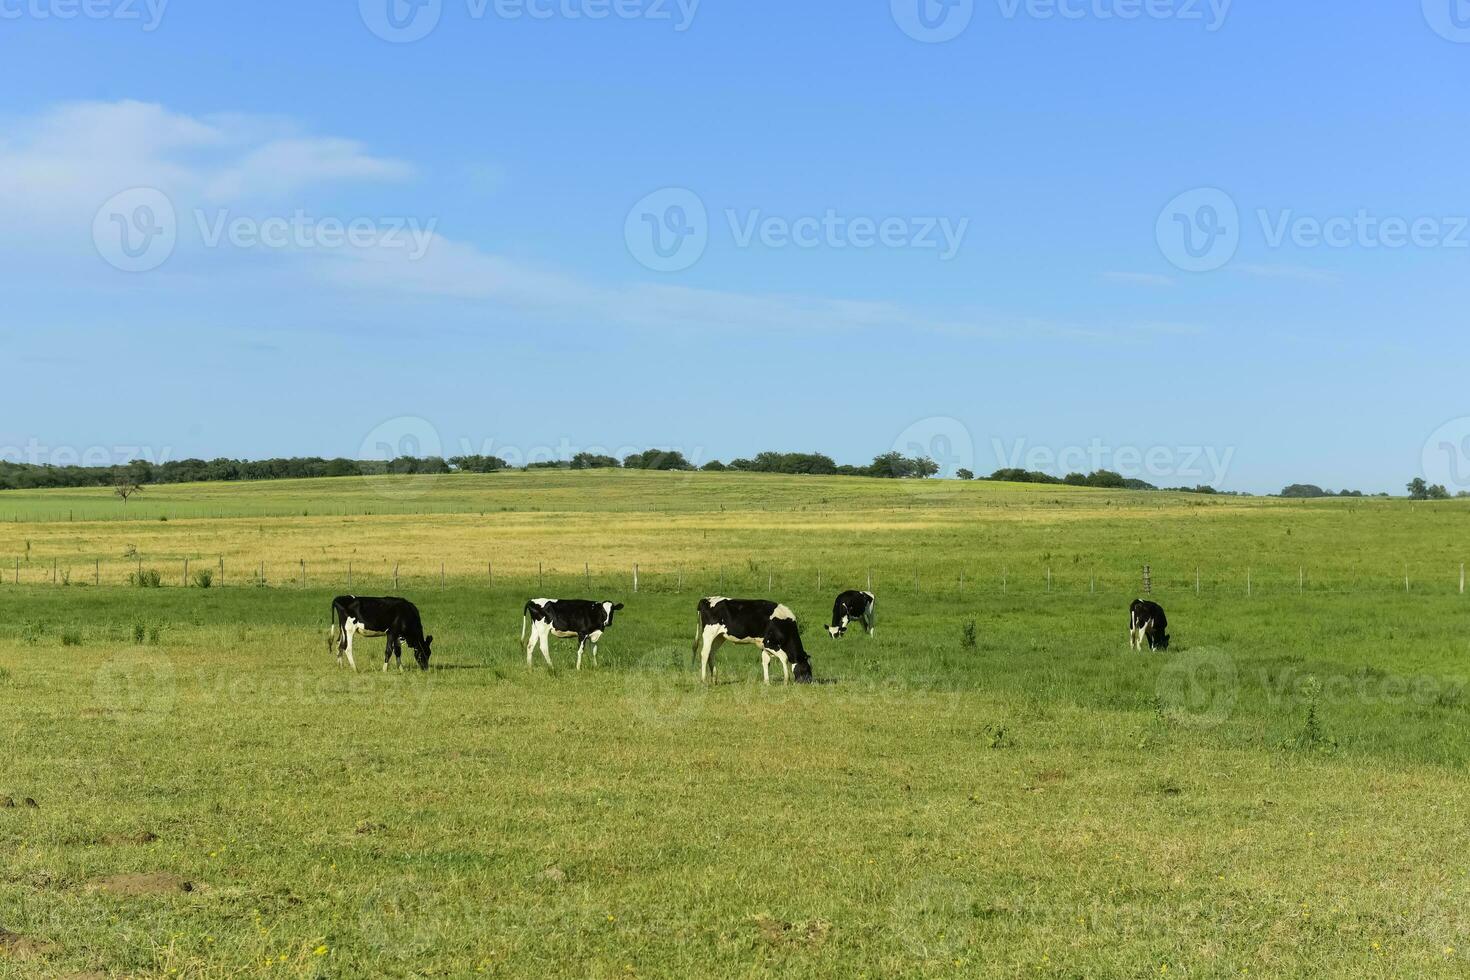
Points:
138	885
23	947
778	933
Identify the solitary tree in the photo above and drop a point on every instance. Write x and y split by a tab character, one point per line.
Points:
1418	489
965	474
125	488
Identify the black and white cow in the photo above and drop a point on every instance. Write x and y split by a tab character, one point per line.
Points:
1146	621
849	606
582	618
757	622
397	619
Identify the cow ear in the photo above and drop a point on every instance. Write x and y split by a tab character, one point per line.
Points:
429	639
617	606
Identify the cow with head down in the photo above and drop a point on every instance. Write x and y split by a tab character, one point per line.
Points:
757	622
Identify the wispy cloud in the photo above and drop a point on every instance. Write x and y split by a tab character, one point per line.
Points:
1298	273
1139	278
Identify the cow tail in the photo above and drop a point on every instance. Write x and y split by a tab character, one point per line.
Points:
525	621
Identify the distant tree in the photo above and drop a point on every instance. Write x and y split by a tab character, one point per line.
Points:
964	474
714	466
1438	492
478	464
657	459
1418	489
125	488
1075	479
1303	491
594	461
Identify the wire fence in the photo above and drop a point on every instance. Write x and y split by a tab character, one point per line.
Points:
749	577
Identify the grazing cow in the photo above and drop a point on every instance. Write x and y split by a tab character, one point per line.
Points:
582	618
849	606
1146	621
758	622
397	619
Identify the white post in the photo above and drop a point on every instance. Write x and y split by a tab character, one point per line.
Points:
1196	580
635	579
1247	581
1462	578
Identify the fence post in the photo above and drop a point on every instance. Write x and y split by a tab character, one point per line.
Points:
97	573
1148	580
395	576
490	573
186	573
222	571
870	580
1406	577
441	574
1196	580
1048	578
1247	581
1462	578
587	575
541	577
349	575
635	579
1003	584
303	573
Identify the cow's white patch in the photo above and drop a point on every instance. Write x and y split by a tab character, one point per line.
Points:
783	613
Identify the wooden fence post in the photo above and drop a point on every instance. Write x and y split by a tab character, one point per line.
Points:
1148	580
541	578
1048	578
587	575
1462	578
870	580
1004	587
97	573
490	573
1196	580
635	578
186	573
222	571
441	575
395	576
1247	581
349	576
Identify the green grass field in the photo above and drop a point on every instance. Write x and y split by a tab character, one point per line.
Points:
1283	794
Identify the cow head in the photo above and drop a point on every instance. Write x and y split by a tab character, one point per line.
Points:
422	655
1161	642
837	632
801	668
611	608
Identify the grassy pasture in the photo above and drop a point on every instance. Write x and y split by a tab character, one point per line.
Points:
1283	794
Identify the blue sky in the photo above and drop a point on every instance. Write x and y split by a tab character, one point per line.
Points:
1066	146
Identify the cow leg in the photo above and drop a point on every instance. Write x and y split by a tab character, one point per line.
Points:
350	661
531	648
546	645
785	667
581	645
387	652
712	641
766	665
595	637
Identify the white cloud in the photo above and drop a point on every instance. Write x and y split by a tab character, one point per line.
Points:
62	165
